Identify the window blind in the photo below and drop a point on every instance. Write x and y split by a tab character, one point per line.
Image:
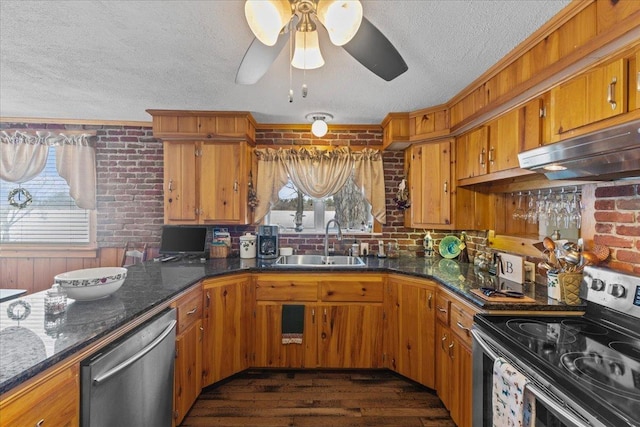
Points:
52	217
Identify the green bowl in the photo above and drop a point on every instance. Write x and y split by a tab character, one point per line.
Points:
450	247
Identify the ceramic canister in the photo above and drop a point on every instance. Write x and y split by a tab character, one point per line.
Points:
553	287
248	246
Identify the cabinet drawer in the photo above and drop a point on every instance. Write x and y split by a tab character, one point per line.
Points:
292	289
461	322
352	291
53	402
189	309
443	305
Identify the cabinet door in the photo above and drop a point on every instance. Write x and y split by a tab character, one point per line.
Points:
51	402
416	330
180	183
391	339
228	316
269	350
461	378
220	193
444	368
472	154
188	370
350	336
430	185
504	141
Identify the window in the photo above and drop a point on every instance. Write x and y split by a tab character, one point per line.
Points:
52	218
297	212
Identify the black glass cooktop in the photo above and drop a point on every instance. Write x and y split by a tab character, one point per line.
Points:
586	357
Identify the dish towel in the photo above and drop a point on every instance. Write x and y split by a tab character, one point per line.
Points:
513	405
292	323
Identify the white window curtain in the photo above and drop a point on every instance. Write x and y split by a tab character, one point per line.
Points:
319	173
23	156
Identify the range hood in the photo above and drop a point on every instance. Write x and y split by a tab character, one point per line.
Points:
606	155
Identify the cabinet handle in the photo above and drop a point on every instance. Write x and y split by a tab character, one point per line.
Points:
446	187
324	314
482	153
208	299
611	98
313	316
542	113
170	185
192	311
491	151
440	309
429	301
464	328
451	349
235	186
442	341
40	423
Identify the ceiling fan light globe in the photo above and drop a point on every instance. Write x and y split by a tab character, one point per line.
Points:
266	18
307	55
319	128
341	18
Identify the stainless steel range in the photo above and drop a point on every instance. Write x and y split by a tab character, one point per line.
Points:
582	370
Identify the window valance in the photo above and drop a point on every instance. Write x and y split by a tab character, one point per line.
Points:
320	173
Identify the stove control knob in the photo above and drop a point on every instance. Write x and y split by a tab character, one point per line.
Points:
616	290
597	285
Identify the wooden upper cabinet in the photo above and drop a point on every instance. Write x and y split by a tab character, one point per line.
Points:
395	131
634	82
472	153
203	124
429	123
504	142
206	182
180	203
430	185
593	96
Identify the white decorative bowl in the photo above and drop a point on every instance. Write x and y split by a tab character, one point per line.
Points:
91	283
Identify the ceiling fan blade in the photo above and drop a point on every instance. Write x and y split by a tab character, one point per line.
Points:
373	50
258	58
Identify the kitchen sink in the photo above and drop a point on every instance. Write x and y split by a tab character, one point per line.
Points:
319	261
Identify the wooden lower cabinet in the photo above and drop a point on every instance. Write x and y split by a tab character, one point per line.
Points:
53	401
227	323
454	357
410	328
271	352
188	370
343	320
350	336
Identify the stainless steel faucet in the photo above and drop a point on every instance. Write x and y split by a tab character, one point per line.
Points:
326	235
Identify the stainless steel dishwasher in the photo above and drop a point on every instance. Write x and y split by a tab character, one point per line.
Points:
130	382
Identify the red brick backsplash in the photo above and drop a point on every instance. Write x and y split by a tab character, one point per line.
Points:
617	215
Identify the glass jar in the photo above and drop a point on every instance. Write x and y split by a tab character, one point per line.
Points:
393	250
55	302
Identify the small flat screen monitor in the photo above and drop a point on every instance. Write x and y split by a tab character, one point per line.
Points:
183	240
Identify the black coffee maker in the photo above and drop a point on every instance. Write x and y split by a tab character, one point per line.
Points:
267	241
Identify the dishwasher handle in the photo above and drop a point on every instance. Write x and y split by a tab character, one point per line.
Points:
133	359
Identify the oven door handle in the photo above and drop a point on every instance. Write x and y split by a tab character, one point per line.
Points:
535	390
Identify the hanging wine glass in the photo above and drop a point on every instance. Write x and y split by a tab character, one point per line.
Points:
519	213
532	211
563	212
576	211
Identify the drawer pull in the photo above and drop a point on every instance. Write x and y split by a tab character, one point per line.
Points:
40	423
192	311
429	301
464	328
440	309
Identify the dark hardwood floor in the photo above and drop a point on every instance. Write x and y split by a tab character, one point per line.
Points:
318	398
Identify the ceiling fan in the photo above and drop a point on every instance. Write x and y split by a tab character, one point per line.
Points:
273	21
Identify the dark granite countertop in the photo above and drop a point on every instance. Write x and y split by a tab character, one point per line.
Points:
31	345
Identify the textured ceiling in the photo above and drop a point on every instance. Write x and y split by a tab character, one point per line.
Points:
112	60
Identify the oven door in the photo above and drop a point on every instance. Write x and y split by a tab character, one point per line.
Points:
550	410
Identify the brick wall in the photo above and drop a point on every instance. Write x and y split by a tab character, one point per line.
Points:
617	217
